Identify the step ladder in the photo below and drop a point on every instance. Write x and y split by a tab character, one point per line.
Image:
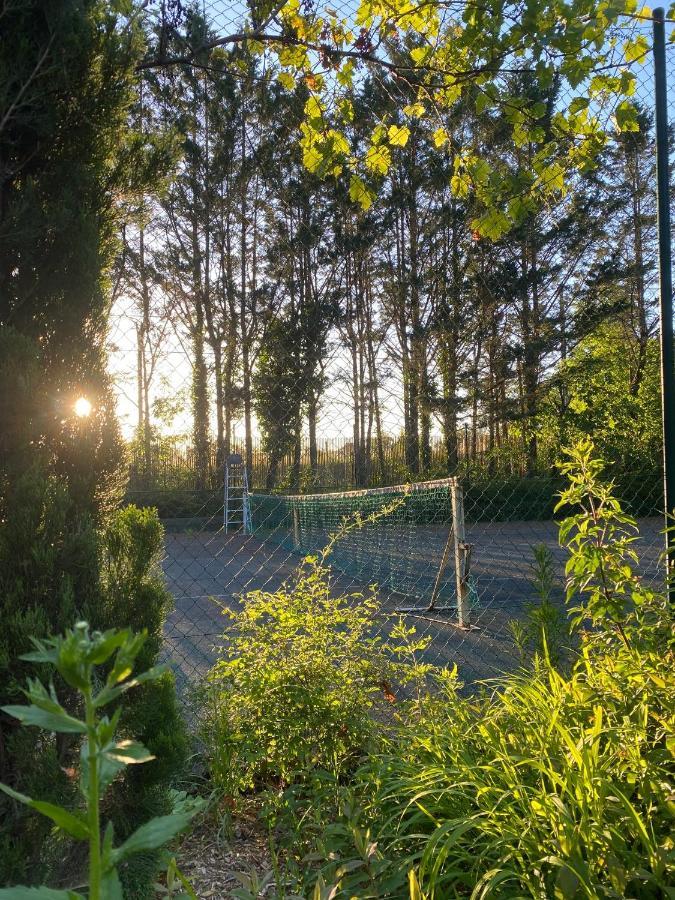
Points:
236	504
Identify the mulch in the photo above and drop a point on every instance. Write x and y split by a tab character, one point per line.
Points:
216	860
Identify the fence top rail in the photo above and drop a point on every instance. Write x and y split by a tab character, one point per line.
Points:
411	487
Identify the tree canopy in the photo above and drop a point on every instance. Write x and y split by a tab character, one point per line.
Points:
433	55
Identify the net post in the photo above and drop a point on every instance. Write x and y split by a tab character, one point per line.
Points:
457	500
663	195
296	527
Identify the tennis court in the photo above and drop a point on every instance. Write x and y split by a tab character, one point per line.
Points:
207	571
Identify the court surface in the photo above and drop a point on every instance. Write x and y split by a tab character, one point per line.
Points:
208	571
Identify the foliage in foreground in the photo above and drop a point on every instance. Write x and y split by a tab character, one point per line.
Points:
53	572
303	678
545	785
77	656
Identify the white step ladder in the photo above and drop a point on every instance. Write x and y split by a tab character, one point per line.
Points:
236	504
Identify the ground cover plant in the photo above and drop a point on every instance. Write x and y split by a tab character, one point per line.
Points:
548	783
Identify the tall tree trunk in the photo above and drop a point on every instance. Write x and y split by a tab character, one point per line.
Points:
217	348
297	457
272	470
200	401
312	413
140	398
640	306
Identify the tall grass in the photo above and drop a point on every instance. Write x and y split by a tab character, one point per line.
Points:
548	784
549	787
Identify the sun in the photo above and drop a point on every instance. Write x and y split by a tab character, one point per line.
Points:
82	407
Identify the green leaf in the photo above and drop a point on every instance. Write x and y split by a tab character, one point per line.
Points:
50	721
108	769
106	645
483	100
37	893
493	224
154	834
286	80
314	112
110	693
637	49
111	887
414	110
130	752
626	116
578	104
68	821
398	135
420	55
378	159
360	193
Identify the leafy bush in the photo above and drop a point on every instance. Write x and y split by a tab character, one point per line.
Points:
302	680
48	576
132	583
133	591
75	656
178	503
548	785
60	479
605	400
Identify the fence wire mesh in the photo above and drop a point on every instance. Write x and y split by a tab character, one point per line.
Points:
341	353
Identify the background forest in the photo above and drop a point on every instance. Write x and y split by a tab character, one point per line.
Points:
260	309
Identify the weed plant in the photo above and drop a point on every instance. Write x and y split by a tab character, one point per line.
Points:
304	685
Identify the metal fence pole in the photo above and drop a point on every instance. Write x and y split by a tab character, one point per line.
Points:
665	272
462	587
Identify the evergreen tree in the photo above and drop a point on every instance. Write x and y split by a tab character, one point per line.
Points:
71	165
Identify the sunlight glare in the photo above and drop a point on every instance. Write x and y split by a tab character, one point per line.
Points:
82	407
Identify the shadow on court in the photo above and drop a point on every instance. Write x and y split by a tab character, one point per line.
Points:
209	571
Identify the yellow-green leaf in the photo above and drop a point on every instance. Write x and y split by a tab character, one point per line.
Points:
359	192
414	110
636	49
378	159
286	80
398	135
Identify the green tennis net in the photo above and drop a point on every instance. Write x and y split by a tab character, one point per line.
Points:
401	543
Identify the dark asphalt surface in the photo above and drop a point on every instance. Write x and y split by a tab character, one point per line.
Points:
207	571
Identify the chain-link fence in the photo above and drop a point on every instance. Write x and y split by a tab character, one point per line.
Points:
284	357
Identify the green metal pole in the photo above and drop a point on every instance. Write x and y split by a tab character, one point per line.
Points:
665	276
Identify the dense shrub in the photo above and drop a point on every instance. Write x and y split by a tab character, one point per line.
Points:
133	592
56	485
301	683
51	573
48	575
547	784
